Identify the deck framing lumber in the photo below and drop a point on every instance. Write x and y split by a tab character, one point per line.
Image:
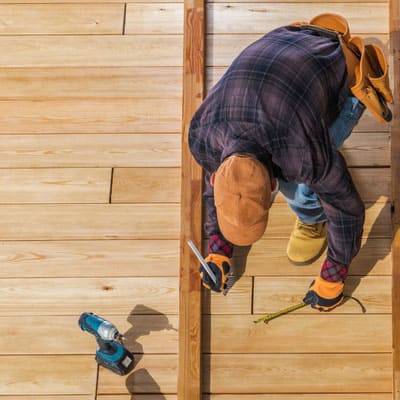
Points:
395	163
189	370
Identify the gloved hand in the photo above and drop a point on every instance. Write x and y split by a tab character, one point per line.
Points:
324	295
221	266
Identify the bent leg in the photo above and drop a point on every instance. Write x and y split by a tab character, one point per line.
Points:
300	198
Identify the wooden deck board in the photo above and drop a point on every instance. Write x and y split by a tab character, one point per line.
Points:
56	19
91	51
90	83
90	150
244	18
295	333
66	296
90	116
153	374
89	258
289	373
78	185
47	375
151	185
94	221
91	86
150	334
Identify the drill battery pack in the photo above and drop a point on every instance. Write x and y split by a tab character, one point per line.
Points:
115	358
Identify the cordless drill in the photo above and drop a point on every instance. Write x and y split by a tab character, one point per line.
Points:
111	353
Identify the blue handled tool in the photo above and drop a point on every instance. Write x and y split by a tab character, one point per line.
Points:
111	353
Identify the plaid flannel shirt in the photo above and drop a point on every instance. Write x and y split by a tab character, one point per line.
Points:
276	101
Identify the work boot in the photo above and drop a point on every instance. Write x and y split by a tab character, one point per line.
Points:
307	242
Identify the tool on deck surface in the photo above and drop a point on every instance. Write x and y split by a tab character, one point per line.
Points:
111	353
269	317
202	261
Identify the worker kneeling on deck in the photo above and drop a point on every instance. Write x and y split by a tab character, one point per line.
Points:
275	121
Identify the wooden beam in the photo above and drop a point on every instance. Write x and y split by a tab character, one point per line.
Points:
395	163
189	371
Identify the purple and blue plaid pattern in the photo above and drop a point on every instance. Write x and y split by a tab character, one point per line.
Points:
333	272
276	101
218	245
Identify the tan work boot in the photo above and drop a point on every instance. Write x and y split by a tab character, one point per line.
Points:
307	242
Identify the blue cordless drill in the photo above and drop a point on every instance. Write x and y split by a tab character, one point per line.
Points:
111	353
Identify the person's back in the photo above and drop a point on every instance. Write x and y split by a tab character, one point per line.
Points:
286	72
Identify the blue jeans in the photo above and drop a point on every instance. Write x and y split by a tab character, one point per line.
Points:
302	200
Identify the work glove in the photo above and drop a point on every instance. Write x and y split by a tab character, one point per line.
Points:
221	266
323	295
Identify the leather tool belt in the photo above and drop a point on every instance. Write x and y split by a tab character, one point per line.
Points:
367	68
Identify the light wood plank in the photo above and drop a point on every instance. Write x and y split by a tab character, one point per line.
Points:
318	333
93	83
190	371
223	48
80	258
150	334
51	397
302	396
179	1
47	375
62	185
373	184
91	51
81	150
237	301
367	149
95	221
273	294
258	18
141	397
395	150
66	296
153	374
55	19
268	257
90	116
290	373
281	221
144	150
146	185
154	18
297	396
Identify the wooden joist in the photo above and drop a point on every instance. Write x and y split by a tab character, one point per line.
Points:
395	162
190	366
